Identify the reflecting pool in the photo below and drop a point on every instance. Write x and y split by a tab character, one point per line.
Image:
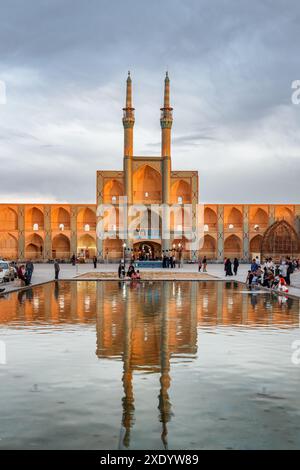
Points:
150	365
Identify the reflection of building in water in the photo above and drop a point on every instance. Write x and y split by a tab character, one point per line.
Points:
146	324
153	326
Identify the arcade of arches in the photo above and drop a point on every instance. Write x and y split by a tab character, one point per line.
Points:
228	231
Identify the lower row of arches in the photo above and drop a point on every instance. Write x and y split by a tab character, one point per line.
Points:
34	247
279	239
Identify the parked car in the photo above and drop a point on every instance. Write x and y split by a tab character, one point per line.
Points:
7	271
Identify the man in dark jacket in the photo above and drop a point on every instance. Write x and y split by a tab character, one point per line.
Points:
29	271
56	269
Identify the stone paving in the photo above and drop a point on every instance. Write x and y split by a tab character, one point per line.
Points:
151	275
45	273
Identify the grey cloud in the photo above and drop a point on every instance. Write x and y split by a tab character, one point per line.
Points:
231	66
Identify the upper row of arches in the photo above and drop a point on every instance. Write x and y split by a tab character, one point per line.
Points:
35	220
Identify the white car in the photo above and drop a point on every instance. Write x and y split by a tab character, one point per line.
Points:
7	271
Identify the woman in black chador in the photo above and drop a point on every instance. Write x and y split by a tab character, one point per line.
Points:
228	267
235	266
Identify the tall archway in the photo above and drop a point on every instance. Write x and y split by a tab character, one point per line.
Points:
180	192
210	219
255	245
280	240
86	220
147	224
8	219
113	249
61	247
60	219
284	213
209	247
112	190
233	247
258	217
147	185
8	246
34	247
233	218
34	219
86	246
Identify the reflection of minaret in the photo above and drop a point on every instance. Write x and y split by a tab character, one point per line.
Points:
74	300
164	404
193	319
128	399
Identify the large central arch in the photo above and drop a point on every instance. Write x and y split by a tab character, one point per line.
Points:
280	240
147	185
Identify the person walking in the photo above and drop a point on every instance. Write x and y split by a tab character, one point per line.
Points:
199	265
120	270
95	261
56	269
235	266
28	272
228	267
73	259
204	262
289	271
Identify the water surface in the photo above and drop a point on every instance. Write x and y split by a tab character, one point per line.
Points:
152	365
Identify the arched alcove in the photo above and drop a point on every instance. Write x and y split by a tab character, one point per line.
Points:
61	247
181	192
34	247
8	219
147	185
8	246
233	247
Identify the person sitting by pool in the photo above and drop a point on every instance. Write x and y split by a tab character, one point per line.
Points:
255	280
249	278
259	274
21	273
267	277
282	285
130	271
135	276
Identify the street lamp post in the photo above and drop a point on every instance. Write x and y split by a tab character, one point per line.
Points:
124	254
180	254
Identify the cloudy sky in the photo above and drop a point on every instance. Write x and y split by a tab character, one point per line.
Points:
231	64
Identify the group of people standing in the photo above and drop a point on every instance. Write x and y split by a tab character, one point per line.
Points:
228	266
170	261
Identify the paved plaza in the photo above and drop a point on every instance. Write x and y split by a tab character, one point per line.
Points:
45	273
